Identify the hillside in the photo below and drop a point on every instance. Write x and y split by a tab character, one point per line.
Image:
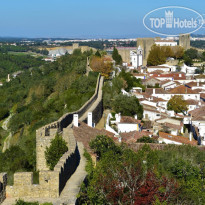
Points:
36	97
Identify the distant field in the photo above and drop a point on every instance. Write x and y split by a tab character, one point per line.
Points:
25	53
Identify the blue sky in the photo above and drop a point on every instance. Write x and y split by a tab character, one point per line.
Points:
82	18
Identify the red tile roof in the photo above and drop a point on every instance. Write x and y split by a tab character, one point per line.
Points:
182	90
132	137
198	114
175	76
149	91
85	134
128	119
179	139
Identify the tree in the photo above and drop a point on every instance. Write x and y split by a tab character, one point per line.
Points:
178	52
127	106
156	56
98	65
102	144
191	53
116	56
178	104
56	150
146	139
97	53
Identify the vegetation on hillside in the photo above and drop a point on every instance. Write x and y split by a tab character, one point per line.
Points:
174	175
159	54
39	96
116	56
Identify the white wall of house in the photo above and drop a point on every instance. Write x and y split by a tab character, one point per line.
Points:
127	127
151	115
166	43
150	69
161	140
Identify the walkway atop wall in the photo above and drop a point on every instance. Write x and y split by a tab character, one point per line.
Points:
70	191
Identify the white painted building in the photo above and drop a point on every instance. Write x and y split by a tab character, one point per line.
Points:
165	43
157	68
136	57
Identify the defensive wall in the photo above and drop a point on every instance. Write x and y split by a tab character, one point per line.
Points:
51	183
3	182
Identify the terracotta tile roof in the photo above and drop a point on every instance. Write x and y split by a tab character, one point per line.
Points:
165	81
192	84
158	100
157	72
202	95
173	126
149	91
175	76
198	114
200	76
138	74
128	119
85	134
179	139
182	90
192	102
132	137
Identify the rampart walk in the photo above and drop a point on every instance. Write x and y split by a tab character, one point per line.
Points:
70	166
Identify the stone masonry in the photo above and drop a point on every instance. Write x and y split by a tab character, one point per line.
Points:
52	183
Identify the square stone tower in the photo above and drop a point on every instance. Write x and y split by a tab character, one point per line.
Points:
184	41
145	44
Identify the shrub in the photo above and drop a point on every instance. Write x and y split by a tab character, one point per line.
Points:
56	150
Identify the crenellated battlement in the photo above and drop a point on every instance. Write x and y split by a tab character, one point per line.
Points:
51	183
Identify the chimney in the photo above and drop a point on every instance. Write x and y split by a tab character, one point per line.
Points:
153	91
75	119
135	117
90	119
190	136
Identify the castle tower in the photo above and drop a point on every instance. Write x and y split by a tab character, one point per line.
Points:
145	44
184	41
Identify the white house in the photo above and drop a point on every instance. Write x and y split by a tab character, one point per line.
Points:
188	70
186	92
174	139
165	43
159	67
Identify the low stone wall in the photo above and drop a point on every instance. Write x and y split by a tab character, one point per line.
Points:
3	182
51	183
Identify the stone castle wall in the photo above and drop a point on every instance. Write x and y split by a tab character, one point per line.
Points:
3	182
45	134
51	183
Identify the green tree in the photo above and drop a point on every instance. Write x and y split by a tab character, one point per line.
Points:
177	103
56	150
191	53
101	144
127	106
116	56
156	56
98	54
146	139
